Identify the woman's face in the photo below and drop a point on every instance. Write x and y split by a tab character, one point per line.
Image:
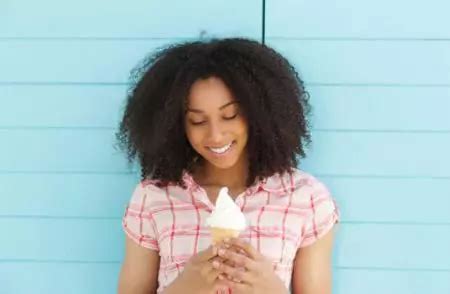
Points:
214	124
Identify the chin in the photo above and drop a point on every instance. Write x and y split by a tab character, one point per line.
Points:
222	164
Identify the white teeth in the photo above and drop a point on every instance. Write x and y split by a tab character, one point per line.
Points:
221	150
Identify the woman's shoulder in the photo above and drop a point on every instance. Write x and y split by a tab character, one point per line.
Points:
303	179
301	189
146	186
293	180
313	193
145	192
151	193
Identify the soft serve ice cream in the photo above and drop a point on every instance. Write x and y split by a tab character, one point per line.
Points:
226	220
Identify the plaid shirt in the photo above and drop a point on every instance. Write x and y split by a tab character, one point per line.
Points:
284	213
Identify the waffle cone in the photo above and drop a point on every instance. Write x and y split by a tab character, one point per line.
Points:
219	234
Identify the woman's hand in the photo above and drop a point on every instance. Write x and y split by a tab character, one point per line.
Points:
249	271
199	276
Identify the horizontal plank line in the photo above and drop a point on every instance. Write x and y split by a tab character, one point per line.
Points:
387	177
63	83
365	176
101	128
390	269
56	261
60	217
69	172
396	223
369	39
378	85
381	131
387	223
8	39
94	128
312	84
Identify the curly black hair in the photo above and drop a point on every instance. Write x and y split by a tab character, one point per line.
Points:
268	88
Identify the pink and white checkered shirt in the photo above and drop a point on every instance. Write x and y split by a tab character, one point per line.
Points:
284	213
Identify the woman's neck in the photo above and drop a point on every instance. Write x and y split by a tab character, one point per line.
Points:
234	177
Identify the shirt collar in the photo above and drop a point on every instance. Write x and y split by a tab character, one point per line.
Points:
276	184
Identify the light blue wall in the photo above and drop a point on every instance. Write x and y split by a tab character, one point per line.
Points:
379	78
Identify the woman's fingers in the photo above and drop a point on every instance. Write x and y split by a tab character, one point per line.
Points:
206	254
212	271
240	261
217	277
205	259
237	274
247	247
230	263
223	276
237	259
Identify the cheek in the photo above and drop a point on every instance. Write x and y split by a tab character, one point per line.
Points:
243	129
193	136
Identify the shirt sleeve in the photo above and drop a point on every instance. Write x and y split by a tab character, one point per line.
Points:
324	214
138	222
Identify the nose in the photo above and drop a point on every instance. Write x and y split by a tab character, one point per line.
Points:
215	134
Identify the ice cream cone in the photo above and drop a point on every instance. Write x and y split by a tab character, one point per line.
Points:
220	234
226	219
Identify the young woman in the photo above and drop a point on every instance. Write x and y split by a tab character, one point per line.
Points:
208	114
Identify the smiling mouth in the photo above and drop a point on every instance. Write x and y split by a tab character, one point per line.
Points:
223	149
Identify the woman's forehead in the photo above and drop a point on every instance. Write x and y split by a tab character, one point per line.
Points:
209	94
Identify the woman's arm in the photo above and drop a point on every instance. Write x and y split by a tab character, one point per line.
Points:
139	273
312	267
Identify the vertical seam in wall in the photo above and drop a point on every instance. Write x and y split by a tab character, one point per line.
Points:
263	21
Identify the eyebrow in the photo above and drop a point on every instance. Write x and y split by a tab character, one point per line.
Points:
220	108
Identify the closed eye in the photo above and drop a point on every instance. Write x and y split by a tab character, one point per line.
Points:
197	123
202	122
231	117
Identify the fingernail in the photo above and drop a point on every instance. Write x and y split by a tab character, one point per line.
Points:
222	251
216	264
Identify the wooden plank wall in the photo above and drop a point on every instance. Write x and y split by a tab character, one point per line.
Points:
379	79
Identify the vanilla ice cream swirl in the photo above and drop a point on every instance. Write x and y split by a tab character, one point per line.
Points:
226	213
